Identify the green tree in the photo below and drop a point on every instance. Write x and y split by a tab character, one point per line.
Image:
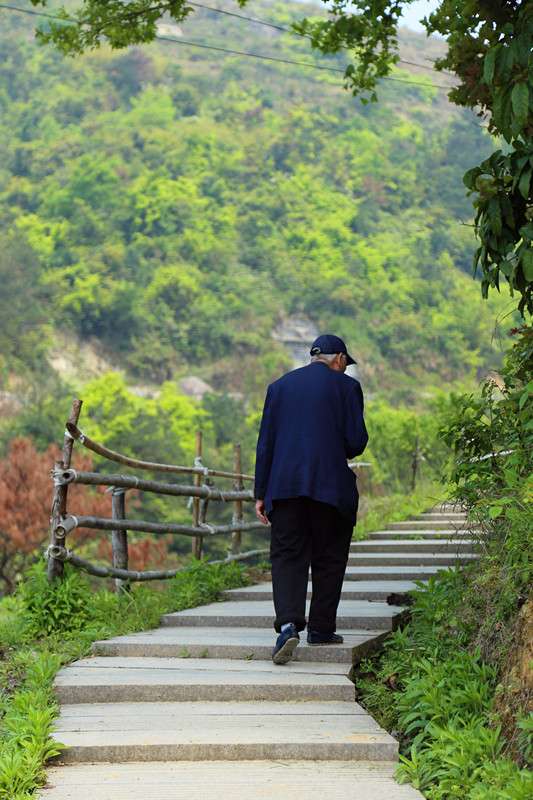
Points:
22	313
490	47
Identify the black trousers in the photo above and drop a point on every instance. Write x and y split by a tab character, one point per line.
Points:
307	533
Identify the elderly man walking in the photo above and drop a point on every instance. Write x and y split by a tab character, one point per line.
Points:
312	423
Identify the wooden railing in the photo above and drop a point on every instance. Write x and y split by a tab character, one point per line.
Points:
63	522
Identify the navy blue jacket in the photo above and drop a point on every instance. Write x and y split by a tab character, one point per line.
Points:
312	422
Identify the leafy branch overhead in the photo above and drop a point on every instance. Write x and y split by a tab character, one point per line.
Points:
120	24
489	50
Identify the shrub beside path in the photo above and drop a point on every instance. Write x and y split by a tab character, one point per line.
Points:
197	710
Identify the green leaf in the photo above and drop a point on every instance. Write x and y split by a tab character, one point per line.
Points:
488	68
523	400
520	101
495	511
507	267
470	177
524	183
495	215
527	264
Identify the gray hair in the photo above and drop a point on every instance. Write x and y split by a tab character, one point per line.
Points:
325	357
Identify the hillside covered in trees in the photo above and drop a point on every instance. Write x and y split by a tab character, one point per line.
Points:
176	204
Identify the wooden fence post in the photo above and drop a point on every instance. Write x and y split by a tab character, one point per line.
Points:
59	501
119	539
237	504
197	540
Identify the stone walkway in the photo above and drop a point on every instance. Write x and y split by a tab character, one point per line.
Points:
197	710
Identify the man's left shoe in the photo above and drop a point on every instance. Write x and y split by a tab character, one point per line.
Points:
317	638
286	644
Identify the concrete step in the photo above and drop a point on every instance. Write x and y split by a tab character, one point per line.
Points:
246	644
260	614
400	572
228	780
351	590
441	535
436	560
417	525
440	516
120	680
408	546
125	732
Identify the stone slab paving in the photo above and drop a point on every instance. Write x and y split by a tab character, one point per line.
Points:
260	614
352	590
149	679
233	731
246	644
424	524
409	546
222	780
435	560
419	534
439	516
382	571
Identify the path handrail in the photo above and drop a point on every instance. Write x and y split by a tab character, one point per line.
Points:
117	479
81	437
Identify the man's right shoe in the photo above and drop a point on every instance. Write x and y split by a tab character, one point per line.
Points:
286	644
315	637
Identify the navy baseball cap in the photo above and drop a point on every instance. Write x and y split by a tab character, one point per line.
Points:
327	343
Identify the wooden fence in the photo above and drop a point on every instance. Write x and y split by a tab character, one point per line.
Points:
201	493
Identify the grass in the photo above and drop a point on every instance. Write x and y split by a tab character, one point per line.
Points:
44	627
376	512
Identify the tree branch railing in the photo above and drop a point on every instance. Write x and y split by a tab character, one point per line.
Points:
63	522
64	555
70	523
100	450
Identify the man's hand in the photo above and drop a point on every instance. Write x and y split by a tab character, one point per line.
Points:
260	511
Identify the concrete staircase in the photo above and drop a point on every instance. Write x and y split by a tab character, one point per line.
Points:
196	709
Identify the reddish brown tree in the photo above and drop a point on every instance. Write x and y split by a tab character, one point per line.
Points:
25	500
26	493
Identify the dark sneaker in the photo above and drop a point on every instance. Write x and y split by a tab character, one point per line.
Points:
286	644
315	637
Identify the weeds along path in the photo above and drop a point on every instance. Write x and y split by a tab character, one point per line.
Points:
196	709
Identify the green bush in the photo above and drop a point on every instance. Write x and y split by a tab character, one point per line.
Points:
58	607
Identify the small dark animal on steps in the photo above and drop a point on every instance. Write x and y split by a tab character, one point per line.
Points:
400	599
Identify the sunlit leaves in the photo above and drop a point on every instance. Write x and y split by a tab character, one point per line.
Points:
118	23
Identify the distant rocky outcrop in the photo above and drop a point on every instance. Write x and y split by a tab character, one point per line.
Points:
195	387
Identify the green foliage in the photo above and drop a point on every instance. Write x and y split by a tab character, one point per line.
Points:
394	434
503	223
119	23
224	203
525	737
492	436
27	725
21	306
443	702
376	512
58	607
35	646
453	658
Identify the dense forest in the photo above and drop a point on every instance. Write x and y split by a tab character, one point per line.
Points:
172	207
